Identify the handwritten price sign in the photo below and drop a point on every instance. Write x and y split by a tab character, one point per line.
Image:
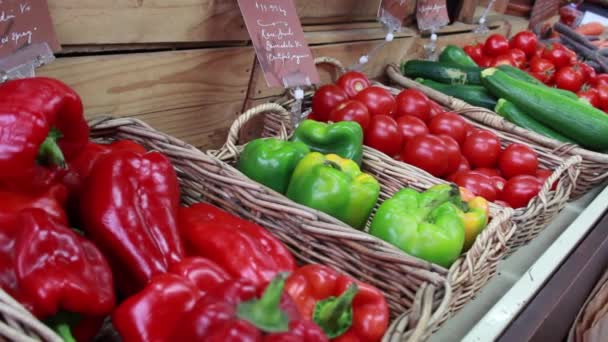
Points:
392	13
25	22
431	14
278	39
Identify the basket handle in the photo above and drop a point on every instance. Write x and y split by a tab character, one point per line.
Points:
425	320
229	149
333	62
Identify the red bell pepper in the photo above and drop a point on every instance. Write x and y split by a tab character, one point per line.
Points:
52	202
346	309
50	268
199	301
42	122
129	209
242	248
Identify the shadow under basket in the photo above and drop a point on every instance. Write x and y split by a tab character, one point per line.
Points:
418	292
465	277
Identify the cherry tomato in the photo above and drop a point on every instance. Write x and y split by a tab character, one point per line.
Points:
486	61
518	57
435	109
478	184
463	167
325	99
601	80
413	102
588	72
519	190
558	55
518	159
451	124
474	51
482	149
453	153
471	129
488	171
503	60
499	183
411	126
383	135
379	101
542	69
427	152
569	78
526	41
496	45
351	110
590	94
353	82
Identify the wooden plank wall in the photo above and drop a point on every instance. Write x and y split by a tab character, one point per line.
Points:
185	66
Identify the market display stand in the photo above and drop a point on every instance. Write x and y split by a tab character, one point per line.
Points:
520	277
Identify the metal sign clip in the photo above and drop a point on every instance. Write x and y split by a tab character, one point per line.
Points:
23	62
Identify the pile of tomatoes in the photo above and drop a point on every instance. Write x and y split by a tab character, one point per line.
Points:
553	64
412	128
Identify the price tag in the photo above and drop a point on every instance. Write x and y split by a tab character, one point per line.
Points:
391	13
278	39
23	23
431	14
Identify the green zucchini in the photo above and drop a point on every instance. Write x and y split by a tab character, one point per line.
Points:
524	76
472	94
515	115
441	72
580	122
454	55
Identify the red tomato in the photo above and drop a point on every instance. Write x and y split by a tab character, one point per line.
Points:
558	55
602	93
569	78
540	49
463	167
353	82
518	57
526	41
478	184
600	80
518	159
588	72
427	152
351	110
453	153
542	69
543	175
378	100
496	45
499	184
503	60
383	135
312	116
482	149
591	95
411	126
325	99
488	171
486	61
474	51
471	129
413	102
519	190
435	109
451	124
502	204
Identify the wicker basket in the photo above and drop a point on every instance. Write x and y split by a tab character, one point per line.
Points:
529	220
591	323
594	166
418	292
466	276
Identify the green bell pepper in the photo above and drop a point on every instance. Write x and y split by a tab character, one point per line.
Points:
344	138
271	161
427	225
336	186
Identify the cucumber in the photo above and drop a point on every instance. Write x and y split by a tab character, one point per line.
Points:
524	76
441	72
515	115
454	55
582	123
472	94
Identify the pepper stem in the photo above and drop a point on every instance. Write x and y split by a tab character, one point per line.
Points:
335	314
49	152
265	312
64	331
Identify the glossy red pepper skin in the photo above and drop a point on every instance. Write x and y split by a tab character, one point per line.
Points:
313	283
30	109
48	267
52	202
196	301
129	209
242	248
